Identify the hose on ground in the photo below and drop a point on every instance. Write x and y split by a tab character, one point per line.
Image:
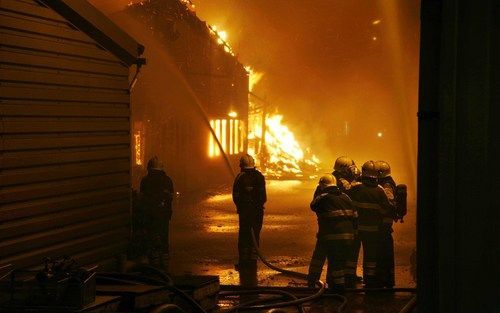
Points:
273	267
409	306
166	282
248	305
294	302
168	308
307	291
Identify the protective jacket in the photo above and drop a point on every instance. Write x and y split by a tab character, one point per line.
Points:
337	223
337	217
249	191
372	205
157	191
389	186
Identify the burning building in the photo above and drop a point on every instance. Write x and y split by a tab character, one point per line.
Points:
188	135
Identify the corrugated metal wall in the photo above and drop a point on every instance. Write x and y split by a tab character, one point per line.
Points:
65	142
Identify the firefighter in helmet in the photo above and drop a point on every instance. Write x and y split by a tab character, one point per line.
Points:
249	196
319	254
372	205
343	172
395	194
347	174
157	192
337	221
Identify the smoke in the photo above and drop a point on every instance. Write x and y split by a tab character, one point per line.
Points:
346	85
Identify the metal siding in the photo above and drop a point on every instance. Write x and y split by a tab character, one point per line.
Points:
64	141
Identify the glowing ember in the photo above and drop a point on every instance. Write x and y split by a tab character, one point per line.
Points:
221	38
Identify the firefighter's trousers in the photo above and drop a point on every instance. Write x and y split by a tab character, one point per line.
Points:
385	258
337	252
317	262
370	240
247	222
352	262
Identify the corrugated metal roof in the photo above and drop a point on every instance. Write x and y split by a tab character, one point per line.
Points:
96	25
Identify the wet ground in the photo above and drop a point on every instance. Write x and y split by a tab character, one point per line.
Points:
204	235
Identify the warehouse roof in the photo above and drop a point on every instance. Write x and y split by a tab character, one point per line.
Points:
99	27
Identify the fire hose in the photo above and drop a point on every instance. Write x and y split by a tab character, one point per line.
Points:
166	281
294	302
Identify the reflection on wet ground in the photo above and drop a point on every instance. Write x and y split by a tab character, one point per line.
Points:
204	235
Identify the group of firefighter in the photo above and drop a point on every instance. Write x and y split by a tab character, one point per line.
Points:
354	208
357	209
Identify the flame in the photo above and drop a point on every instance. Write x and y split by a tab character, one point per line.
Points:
189	4
138	148
229	133
253	77
282	155
221	38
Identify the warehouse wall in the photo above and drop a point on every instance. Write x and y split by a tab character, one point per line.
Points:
65	142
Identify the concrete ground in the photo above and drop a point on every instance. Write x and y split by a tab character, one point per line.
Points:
204	235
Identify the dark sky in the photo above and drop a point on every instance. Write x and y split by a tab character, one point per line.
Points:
324	71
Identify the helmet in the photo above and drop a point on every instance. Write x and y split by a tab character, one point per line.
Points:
369	169
383	169
153	163
327	180
247	162
342	164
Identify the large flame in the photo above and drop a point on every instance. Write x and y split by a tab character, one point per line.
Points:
280	154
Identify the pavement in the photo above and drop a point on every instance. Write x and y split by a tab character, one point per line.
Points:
204	233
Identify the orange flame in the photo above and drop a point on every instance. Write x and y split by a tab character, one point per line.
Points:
138	148
282	155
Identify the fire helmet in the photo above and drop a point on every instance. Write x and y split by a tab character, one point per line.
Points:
152	163
247	162
327	180
383	169
369	170
342	164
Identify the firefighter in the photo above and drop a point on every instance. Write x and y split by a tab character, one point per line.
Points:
343	172
157	191
397	197
319	254
337	222
347	174
386	244
249	196
372	205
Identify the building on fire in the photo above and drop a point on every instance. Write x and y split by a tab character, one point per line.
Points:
177	130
